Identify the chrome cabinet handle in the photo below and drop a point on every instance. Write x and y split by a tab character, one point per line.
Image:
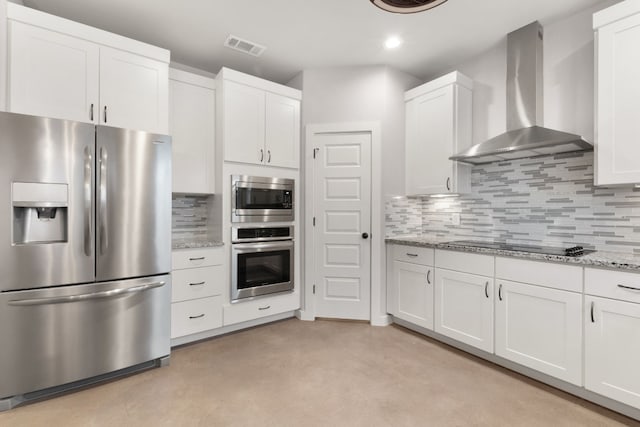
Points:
105	114
486	289
448	184
197	284
593	318
269	156
102	186
412	255
88	171
83	297
428	275
91	113
200	258
264	308
261	155
629	288
500	292
197	317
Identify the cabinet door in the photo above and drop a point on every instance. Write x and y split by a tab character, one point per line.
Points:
282	133
192	128
430	133
244	123
464	308
52	75
540	328
414	293
618	102
612	349
134	91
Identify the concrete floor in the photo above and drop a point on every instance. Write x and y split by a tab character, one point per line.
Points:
322	373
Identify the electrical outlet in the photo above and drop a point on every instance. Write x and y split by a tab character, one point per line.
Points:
455	218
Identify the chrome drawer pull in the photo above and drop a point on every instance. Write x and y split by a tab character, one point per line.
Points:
197	284
197	259
197	317
412	255
264	308
630	288
428	274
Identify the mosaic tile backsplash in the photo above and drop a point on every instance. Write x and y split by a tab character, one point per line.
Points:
540	200
189	218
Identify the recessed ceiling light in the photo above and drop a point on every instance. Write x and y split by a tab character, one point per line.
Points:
393	42
406	6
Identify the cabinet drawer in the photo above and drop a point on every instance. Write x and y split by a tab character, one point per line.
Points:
196	283
620	285
465	262
412	254
557	276
249	310
190	317
189	258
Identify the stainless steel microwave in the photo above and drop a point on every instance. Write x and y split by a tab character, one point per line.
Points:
261	199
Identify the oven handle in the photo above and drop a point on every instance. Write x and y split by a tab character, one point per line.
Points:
262	247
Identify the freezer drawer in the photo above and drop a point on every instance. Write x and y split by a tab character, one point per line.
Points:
55	336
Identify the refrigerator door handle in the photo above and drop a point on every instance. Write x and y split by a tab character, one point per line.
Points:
102	187
88	169
83	297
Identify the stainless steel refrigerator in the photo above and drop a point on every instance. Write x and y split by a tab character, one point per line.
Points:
85	252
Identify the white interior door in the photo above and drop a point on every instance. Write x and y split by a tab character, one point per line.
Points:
342	211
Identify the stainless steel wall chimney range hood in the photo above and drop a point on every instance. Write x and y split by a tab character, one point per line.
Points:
525	137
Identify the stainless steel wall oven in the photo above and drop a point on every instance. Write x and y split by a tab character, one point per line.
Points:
262	261
261	199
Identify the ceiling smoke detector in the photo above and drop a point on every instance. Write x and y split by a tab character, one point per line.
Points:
244	46
406	6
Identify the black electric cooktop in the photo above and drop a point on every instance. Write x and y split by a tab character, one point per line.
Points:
574	251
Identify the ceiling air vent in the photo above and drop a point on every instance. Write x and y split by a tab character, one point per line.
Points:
406	6
244	46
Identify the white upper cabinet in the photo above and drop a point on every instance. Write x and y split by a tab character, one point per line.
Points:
244	123
438	125
282	131
192	128
260	120
134	91
617	128
52	74
65	70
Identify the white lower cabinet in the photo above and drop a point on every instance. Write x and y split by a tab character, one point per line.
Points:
612	334
244	311
414	293
540	328
190	317
196	294
464	307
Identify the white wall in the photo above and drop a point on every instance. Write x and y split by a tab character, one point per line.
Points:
358	94
362	94
3	55
568	79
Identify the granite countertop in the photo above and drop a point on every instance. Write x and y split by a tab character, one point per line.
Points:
194	244
602	259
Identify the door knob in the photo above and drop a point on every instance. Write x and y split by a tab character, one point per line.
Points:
365	235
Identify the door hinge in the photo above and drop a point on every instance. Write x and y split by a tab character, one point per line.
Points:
314	289
314	221
315	152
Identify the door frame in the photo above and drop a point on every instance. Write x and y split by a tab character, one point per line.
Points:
378	311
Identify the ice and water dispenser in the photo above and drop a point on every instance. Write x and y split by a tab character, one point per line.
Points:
40	213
